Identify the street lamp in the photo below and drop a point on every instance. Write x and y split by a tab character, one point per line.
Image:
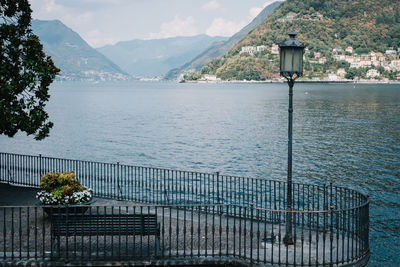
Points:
291	67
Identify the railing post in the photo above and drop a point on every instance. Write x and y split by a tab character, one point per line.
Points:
251	231
40	167
325	208
218	196
119	187
8	168
218	199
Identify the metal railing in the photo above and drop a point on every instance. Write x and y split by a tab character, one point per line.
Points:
189	232
330	223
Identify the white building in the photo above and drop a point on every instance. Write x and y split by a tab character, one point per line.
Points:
372	73
275	49
332	77
317	54
395	64
337	50
339	57
341	72
349	49
261	48
209	77
390	52
248	49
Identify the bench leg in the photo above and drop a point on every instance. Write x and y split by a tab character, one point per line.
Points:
158	250
55	241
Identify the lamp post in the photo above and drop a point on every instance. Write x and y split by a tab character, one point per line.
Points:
291	67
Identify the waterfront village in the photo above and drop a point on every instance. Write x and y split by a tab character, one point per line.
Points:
375	66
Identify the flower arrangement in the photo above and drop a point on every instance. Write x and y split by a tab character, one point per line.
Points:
62	189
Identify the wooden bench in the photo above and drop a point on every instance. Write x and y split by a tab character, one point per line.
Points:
105	225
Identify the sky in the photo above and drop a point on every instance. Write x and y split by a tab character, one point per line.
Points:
102	22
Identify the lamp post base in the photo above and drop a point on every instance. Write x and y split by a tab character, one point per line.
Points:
288	240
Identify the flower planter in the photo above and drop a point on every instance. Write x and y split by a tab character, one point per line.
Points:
67	209
62	193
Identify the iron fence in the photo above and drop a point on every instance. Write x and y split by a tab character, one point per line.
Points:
171	187
186	232
241	218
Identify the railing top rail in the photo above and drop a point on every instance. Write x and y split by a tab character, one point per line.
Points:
119	205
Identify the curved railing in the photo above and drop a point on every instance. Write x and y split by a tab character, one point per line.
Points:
330	223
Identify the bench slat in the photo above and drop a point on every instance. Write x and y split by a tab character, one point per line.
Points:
108	224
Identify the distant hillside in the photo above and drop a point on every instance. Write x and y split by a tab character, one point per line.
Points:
150	58
220	48
343	37
76	59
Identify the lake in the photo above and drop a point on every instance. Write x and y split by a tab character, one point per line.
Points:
343	133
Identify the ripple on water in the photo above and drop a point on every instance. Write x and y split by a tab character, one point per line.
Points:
342	134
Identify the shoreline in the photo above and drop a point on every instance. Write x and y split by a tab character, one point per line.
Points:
300	81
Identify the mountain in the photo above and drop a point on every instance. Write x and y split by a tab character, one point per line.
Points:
76	59
220	48
343	38
150	58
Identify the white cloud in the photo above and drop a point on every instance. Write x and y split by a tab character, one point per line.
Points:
96	38
176	27
45	7
212	5
48	9
222	27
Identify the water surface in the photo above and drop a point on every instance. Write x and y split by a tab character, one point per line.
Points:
345	134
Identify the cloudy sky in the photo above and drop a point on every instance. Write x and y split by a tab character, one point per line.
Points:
102	22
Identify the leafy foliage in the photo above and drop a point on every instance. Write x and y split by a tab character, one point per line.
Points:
60	183
25	73
62	188
192	76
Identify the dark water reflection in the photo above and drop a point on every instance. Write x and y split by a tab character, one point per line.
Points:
345	134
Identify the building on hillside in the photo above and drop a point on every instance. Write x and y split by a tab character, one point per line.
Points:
209	77
317	54
390	52
386	66
261	48
349	59
365	63
372	56
339	57
332	77
248	49
395	64
349	49
275	49
372	73
322	60
376	63
341	72
337	50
